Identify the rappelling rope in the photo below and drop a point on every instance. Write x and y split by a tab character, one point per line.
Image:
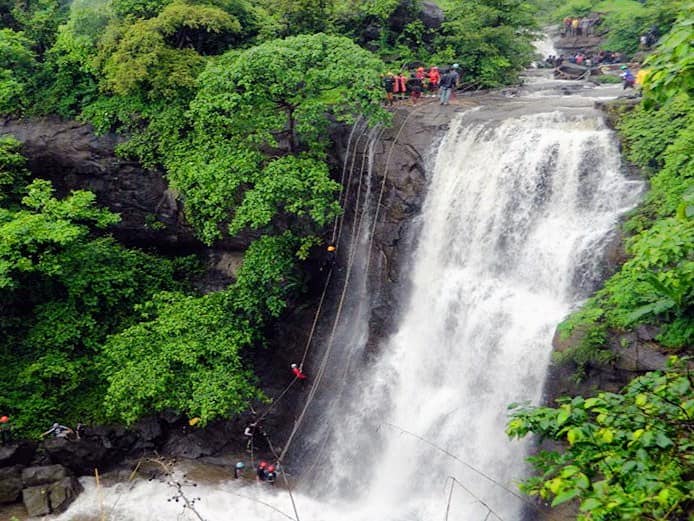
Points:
324	362
349	359
350	264
477	500
476	470
344	188
284	476
336	230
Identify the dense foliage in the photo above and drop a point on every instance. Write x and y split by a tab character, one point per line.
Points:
625	456
656	285
623	21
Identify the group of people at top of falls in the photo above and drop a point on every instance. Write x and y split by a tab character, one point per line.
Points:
420	82
575	26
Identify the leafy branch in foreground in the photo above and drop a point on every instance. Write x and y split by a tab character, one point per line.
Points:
625	456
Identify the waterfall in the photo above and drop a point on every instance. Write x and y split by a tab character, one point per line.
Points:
518	210
515	216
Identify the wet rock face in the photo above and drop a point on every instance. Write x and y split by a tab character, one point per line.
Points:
403	156
72	157
52	498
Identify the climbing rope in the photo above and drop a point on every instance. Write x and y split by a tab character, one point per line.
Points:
351	354
476	470
336	233
284	477
324	362
454	481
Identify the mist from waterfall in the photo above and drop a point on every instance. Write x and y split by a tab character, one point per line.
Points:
517	214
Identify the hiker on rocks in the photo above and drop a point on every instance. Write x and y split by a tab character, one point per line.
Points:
455	77
238	469
389	86
271	475
567	26
585	24
575	27
5	430
297	372
414	85
59	431
261	471
628	78
445	86
434	78
400	86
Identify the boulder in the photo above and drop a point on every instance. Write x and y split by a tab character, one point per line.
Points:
10	484
62	493
81	456
431	15
51	499
33	476
20	453
36	502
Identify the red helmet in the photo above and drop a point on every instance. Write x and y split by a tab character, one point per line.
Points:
262	464
271	468
4	419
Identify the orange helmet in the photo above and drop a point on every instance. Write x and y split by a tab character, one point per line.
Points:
262	464
4	419
331	248
271	468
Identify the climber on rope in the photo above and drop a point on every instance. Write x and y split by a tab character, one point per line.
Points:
329	258
252	429
298	373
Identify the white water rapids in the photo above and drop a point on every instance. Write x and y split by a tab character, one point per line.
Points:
518	209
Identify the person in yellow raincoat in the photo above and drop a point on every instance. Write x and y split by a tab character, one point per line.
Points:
641	77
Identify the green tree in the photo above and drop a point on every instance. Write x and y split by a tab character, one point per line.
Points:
185	353
13	170
17	66
673	61
256	107
62	291
491	39
623	456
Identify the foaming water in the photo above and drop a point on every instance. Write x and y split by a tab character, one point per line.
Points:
515	220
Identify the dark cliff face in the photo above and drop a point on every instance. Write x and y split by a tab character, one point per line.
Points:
404	159
72	157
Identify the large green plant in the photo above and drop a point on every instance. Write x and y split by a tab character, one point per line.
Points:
62	291
490	39
260	123
622	456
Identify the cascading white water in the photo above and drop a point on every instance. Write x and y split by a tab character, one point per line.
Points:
514	210
516	214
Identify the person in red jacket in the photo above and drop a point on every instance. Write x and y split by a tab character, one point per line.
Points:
298	373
